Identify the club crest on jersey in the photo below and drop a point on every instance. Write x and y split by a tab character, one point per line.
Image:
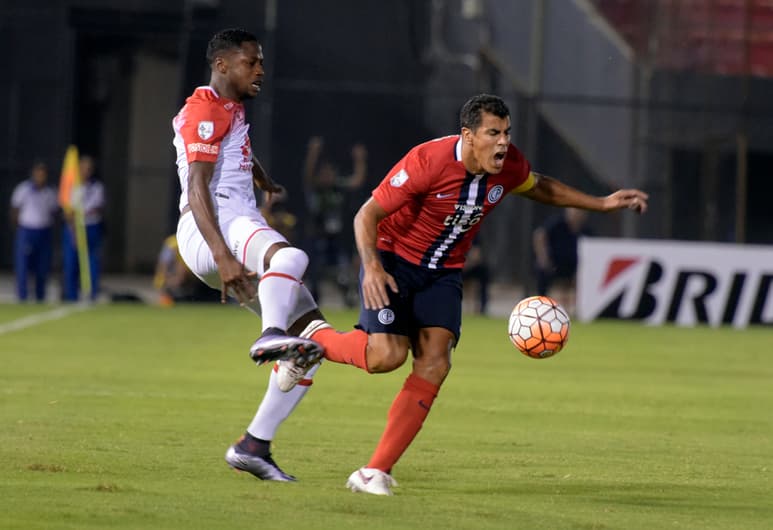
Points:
206	129
386	316
399	179
495	193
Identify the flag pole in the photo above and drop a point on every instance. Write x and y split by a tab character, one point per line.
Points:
82	243
71	199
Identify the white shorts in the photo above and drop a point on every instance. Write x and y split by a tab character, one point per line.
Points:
237	230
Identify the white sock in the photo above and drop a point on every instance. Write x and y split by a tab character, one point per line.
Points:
277	406
278	288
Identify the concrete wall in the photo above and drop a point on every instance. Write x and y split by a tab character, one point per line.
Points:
151	158
583	61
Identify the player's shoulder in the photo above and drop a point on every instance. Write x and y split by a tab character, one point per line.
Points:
515	160
442	145
205	100
203	95
21	192
514	154
25	187
436	151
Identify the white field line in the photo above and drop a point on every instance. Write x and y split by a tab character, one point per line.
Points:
39	318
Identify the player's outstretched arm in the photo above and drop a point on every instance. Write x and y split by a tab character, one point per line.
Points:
548	190
631	199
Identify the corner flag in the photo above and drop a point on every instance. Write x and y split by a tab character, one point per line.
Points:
71	201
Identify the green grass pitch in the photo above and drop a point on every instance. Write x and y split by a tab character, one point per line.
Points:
118	417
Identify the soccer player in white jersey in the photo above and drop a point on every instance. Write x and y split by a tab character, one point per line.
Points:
227	243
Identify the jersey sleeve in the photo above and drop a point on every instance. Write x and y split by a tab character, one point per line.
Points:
407	179
19	193
517	164
528	183
204	124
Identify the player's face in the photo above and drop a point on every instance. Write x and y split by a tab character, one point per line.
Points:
245	70
489	143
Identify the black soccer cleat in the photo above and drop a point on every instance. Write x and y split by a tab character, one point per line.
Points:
274	345
263	467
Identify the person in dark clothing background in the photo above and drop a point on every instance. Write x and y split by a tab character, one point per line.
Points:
555	252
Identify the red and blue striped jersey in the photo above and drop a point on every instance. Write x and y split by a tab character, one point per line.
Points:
435	205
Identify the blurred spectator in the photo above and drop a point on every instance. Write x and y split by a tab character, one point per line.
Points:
329	199
555	251
93	206
476	269
172	280
33	211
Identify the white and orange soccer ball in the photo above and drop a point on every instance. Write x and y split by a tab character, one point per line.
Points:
539	326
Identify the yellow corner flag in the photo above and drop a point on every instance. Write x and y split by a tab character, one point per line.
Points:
71	201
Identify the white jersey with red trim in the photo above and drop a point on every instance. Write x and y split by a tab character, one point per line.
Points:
210	128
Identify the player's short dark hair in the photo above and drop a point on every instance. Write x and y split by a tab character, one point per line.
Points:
472	112
227	39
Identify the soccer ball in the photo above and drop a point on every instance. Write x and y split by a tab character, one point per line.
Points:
538	326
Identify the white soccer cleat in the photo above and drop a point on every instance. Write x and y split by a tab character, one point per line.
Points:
290	372
312	327
370	480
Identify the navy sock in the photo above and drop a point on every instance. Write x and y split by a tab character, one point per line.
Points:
254	446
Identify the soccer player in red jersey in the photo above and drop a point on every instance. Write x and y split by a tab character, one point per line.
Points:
412	236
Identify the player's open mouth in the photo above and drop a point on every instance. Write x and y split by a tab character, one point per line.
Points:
498	163
257	84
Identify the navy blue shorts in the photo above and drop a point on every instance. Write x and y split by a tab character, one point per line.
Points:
426	298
